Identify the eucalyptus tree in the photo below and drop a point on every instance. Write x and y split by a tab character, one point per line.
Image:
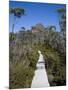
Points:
62	19
17	13
62	23
51	35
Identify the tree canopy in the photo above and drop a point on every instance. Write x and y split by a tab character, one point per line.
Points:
18	12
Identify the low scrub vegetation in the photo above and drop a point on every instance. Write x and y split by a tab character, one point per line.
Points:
24	47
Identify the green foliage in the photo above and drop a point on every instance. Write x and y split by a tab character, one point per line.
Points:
62	21
18	12
20	76
55	65
23	61
12	36
61	10
33	57
24	56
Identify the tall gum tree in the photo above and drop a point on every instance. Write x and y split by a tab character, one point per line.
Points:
17	13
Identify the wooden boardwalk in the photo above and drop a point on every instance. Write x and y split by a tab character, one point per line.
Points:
40	78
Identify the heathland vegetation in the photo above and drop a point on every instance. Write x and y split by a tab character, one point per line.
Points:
24	46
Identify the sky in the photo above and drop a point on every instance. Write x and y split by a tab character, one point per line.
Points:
43	13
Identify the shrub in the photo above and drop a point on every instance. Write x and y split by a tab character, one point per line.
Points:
20	76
